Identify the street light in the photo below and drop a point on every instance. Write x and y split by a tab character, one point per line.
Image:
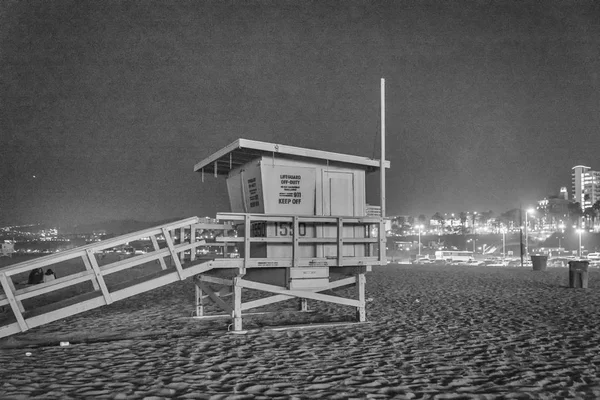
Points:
580	231
531	210
420	227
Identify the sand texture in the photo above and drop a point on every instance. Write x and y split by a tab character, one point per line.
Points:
435	333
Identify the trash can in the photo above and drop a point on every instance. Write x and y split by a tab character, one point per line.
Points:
578	274
539	262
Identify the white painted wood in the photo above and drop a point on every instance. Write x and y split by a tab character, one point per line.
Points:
173	253
161	260
303	284
66	312
8	330
13	302
99	277
214	279
57	284
199	300
11	285
193	240
81	251
270	148
213	296
237	303
309	272
88	267
298	293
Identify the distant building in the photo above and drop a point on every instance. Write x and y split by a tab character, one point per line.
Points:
585	185
553	210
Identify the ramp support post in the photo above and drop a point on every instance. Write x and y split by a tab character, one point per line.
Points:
237	304
303	304
199	300
361	312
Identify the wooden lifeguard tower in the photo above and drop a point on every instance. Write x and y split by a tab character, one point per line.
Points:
300	225
303	226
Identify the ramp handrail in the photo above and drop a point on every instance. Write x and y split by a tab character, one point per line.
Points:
97	273
105	244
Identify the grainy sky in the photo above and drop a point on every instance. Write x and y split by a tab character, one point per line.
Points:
109	104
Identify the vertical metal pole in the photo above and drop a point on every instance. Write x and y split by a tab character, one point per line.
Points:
382	166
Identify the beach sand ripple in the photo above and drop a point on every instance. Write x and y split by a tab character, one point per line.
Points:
434	333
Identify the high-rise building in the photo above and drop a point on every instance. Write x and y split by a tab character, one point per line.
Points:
586	186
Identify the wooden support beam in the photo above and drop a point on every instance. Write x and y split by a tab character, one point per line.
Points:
340	244
182	241
247	234
52	286
88	267
193	240
361	312
214	297
214	279
14	305
199	301
99	277
382	257
296	243
11	284
298	293
173	253
237	303
161	260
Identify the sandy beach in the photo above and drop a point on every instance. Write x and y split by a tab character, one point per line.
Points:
434	332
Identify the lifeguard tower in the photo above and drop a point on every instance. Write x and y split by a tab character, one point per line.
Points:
298	223
303	226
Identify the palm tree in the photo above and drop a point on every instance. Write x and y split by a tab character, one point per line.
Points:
575	212
439	218
590	215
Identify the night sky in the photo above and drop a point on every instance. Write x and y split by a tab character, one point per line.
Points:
105	106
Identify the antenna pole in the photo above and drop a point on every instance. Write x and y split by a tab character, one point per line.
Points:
382	158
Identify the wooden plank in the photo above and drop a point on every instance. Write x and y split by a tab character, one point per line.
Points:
11	329
13	302
42	262
157	248
88	267
203	226
214	279
298	293
265	301
296	243
133	261
3	300
192	240
318	240
205	288
173	253
99	277
199	301
105	244
181	242
361	309
382	244
247	234
11	284
65	312
340	242
52	286
304	284
237	303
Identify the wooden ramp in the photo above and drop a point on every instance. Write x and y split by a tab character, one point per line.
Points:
95	275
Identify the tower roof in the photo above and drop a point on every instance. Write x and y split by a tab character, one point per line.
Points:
242	151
